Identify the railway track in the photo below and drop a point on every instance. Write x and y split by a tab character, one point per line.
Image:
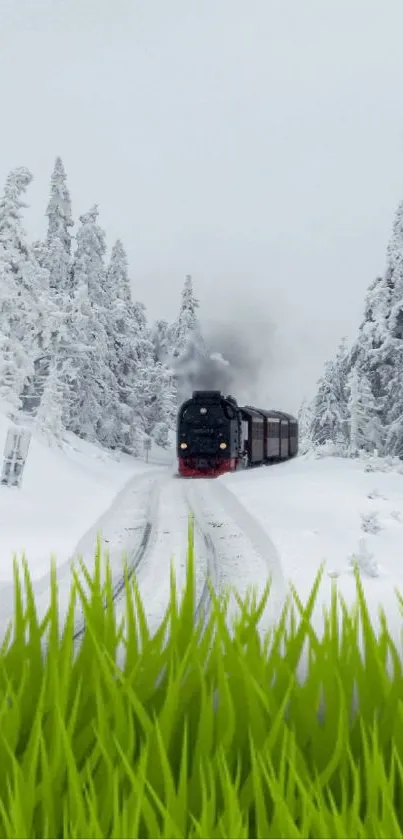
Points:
245	555
151	531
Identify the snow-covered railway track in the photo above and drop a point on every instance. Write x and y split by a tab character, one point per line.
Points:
137	551
205	547
245	555
161	540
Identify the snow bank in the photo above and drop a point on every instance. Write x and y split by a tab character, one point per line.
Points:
64	491
331	510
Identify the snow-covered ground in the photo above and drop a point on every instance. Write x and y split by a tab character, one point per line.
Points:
68	494
329	510
282	520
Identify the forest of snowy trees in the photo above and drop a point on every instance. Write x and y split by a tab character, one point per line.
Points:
359	402
76	351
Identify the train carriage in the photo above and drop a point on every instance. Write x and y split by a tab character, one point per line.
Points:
255	442
292	433
272	438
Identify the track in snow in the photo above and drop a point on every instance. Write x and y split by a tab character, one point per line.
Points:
245	553
161	538
231	548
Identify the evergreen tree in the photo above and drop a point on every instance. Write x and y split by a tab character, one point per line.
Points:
161	336
151	391
49	416
372	352
329	408
188	348
88	264
58	210
118	274
394	430
377	351
364	422
55	255
59	237
393	375
305	422
156	402
23	289
121	330
92	380
187	328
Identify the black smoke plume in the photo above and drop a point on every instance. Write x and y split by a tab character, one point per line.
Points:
235	359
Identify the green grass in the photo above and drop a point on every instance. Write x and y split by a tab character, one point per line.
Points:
206	734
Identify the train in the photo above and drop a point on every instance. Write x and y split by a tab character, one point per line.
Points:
215	435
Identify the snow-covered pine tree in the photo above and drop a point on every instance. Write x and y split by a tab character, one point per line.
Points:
187	343
377	350
119	428
55	255
329	408
157	403
161	338
305	420
58	211
23	290
393	376
93	391
372	352
59	236
154	388
89	256
364	422
394	413
187	327
49	416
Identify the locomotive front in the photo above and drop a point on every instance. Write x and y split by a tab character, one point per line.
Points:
208	435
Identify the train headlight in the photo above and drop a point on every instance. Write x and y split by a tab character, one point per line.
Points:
223	445
184	445
203	410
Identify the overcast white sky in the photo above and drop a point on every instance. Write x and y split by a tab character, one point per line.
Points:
256	144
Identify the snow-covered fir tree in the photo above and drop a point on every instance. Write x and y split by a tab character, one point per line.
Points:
375	367
154	391
121	332
50	413
373	351
393	377
364	421
55	255
187	327
188	346
161	336
305	421
89	258
23	294
93	385
394	414
329	408
75	351
377	352
58	211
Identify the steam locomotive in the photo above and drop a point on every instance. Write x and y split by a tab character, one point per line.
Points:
216	435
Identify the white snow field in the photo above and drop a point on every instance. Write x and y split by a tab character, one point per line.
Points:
330	510
282	521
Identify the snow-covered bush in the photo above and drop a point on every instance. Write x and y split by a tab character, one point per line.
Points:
364	560
329	449
370	522
160	435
